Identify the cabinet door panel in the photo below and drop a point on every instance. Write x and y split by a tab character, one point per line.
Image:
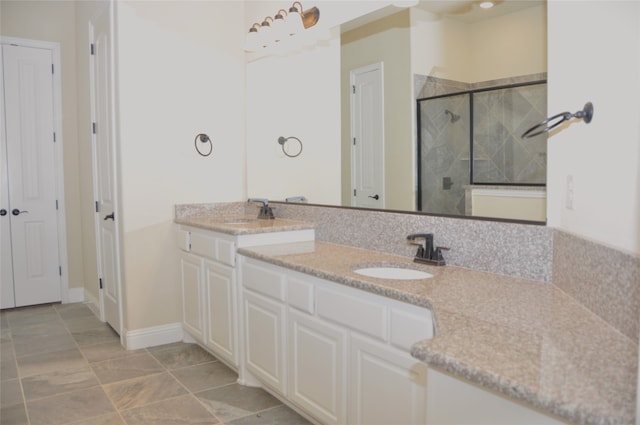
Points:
192	296
221	320
388	386
317	377
264	339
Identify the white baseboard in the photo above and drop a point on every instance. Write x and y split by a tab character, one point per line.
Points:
74	295
93	303
156	335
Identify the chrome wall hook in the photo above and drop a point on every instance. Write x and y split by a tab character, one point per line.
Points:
586	114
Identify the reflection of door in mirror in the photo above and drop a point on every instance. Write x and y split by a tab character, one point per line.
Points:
367	135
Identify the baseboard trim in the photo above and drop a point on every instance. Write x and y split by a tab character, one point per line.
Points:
155	335
74	295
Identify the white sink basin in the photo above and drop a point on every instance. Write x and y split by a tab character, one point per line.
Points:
393	273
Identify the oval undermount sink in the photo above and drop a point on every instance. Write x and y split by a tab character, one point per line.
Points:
393	273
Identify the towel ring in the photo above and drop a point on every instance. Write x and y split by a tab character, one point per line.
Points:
283	140
204	139
544	127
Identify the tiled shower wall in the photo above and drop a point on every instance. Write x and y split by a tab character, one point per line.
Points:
500	155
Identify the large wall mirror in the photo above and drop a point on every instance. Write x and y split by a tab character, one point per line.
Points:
434	99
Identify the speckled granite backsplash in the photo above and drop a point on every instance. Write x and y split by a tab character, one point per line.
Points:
604	280
518	250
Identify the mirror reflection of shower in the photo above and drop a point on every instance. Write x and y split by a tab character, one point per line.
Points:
472	137
454	117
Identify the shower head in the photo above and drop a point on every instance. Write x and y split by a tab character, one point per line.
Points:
454	117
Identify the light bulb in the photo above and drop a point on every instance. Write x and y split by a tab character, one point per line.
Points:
266	33
294	20
279	26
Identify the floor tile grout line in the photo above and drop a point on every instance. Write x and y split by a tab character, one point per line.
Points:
115	408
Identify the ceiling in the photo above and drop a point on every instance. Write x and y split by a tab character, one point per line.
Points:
463	10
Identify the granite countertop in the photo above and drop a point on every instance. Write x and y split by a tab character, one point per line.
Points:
525	339
242	224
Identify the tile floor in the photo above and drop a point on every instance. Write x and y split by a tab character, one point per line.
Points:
60	365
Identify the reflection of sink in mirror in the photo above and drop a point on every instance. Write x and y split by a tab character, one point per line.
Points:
393	273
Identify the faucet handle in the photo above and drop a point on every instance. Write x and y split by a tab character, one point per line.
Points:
438	254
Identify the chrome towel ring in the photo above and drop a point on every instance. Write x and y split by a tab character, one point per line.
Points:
283	141
203	138
550	123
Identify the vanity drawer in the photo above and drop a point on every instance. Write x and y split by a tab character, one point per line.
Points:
409	325
263	281
300	294
213	247
183	239
358	313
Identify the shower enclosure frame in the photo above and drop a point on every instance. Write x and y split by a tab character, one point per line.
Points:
471	121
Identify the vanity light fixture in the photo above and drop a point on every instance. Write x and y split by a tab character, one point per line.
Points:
279	29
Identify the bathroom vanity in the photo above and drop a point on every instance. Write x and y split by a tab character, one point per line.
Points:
209	274
290	314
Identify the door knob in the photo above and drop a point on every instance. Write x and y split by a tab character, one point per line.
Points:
376	197
110	216
18	212
3	212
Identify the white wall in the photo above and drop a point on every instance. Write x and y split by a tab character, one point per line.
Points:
594	55
180	71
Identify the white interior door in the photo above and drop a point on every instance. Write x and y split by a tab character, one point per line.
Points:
367	133
7	299
104	173
30	175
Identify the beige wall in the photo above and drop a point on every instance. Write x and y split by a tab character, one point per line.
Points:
54	21
386	40
180	71
448	48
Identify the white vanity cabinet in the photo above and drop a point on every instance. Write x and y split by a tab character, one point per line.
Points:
192	295
264	326
339	354
210	295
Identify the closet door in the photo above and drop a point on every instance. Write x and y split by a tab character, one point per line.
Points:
7	299
31	174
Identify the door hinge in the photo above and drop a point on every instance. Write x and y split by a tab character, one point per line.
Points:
54	137
100	282
93	127
56	204
92	49
353	88
52	71
97	207
354	141
60	270
354	192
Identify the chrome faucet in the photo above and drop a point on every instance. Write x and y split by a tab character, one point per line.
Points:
426	253
265	213
295	199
